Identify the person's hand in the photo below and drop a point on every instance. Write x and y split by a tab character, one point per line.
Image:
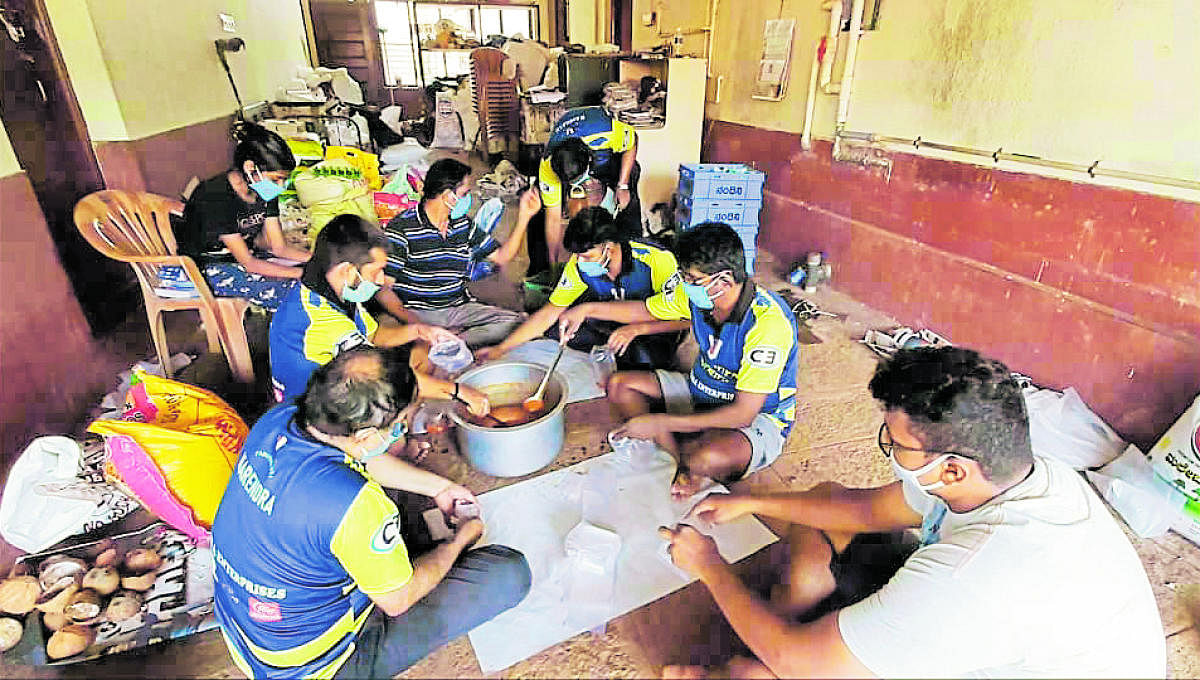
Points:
531	203
719	508
642	427
446	497
619	340
623	197
468	533
691	550
490	352
476	401
433	334
569	323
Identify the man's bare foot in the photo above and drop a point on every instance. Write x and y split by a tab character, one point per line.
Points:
684	672
687	484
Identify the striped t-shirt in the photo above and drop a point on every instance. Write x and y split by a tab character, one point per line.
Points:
431	271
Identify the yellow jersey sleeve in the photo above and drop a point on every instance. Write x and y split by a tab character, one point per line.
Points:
570	285
663	270
623	136
330	332
765	353
671	304
550	185
369	545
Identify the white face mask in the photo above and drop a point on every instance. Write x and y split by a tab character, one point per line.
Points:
912	477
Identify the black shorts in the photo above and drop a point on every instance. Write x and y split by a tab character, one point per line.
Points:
867	563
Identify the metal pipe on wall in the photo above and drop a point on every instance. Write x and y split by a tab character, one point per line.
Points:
1093	170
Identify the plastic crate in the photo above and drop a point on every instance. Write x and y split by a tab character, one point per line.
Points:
720	181
737	214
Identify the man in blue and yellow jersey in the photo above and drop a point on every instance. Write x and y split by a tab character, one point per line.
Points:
606	267
324	315
729	417
313	575
587	142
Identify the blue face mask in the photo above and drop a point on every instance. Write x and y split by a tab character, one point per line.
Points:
699	294
359	294
460	207
399	430
594	269
265	188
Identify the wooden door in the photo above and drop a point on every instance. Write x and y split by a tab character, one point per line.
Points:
346	35
50	139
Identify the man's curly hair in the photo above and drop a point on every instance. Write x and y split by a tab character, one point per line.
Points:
959	401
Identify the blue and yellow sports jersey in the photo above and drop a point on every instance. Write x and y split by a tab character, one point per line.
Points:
645	271
753	351
301	539
603	134
307	332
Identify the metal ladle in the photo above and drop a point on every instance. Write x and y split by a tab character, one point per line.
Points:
535	403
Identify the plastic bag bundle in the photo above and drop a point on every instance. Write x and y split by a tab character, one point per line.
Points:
331	188
1061	426
367	163
190	434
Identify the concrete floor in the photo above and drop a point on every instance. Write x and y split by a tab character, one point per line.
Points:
834	438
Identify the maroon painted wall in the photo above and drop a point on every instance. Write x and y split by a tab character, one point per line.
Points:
1073	284
163	163
50	369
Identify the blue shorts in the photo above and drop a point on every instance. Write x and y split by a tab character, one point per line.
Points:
230	279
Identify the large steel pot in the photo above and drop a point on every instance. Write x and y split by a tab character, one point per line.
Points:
520	450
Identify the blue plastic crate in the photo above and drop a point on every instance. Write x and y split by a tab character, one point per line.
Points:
720	181
737	214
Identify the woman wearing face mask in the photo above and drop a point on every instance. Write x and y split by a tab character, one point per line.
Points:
231	222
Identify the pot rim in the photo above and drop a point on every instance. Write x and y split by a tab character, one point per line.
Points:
562	402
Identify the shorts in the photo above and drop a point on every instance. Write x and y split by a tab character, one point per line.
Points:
766	439
866	564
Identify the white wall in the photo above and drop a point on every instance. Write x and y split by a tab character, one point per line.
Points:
141	67
8	159
1070	80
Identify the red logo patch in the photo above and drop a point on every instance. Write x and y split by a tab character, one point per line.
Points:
265	612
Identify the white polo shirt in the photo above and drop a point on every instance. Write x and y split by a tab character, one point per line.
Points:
1038	582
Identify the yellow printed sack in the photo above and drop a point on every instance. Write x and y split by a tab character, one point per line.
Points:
191	434
367	162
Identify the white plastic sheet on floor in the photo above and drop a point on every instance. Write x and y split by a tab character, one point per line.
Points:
535	516
575	367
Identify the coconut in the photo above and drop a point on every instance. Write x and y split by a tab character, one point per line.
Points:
103	580
10	633
54	602
84	607
107	558
56	569
124	605
138	583
19	594
55	621
69	641
142	560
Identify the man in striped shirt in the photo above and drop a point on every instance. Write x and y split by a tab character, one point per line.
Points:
431	250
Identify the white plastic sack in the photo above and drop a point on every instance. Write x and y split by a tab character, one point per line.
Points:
1130	487
1062	427
32	516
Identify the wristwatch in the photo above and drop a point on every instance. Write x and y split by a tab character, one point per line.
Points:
623	185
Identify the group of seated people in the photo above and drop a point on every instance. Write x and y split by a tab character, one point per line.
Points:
1017	570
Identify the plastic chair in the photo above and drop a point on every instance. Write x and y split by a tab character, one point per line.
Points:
135	227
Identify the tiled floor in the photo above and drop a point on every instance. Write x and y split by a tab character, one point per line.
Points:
834	439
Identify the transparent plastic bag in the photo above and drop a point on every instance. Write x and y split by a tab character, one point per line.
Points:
451	356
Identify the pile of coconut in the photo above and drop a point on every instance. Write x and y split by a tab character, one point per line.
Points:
74	595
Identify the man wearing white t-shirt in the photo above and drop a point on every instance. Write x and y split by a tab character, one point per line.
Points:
1019	570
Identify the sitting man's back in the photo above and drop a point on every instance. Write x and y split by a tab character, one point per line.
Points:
306	544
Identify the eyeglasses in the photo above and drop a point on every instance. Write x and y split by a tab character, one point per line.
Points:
695	281
889	447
